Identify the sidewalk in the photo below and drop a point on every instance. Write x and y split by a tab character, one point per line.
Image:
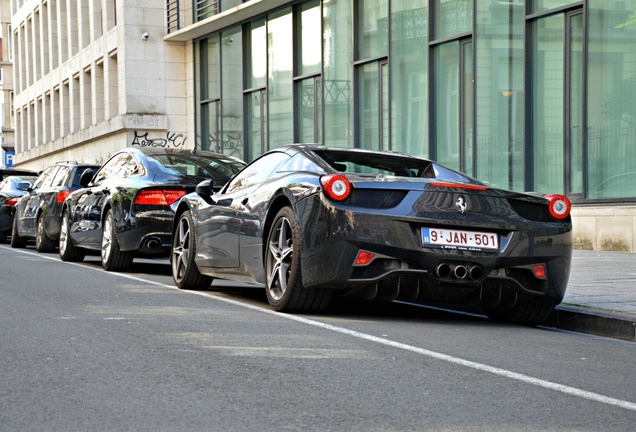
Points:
601	295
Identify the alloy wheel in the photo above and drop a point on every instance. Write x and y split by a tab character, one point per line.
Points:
281	250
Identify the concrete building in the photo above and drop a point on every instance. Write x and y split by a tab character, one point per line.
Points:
523	94
94	76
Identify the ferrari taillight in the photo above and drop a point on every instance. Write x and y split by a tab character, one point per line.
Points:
61	196
336	186
559	206
159	197
12	201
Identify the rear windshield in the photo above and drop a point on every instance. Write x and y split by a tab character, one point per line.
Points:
218	169
389	164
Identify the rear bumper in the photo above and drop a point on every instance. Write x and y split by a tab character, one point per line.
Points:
404	269
147	233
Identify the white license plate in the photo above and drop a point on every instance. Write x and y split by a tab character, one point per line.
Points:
463	240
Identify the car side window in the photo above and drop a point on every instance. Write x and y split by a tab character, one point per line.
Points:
114	168
61	175
257	171
45	179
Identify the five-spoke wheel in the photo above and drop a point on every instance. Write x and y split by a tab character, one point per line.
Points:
285	290
185	272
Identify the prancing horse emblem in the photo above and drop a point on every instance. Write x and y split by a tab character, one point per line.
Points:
461	204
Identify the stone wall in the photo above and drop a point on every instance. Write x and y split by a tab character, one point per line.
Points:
610	228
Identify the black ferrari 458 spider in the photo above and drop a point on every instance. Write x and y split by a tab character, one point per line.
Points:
309	222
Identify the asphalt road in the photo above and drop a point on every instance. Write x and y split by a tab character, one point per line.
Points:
83	349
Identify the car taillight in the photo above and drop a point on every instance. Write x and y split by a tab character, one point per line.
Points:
559	206
160	197
336	186
12	201
61	196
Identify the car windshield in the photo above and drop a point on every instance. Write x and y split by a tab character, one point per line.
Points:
197	166
389	164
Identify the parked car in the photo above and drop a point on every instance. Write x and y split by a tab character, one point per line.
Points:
38	213
6	172
11	189
127	208
307	221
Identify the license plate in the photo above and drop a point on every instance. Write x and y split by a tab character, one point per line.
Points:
462	240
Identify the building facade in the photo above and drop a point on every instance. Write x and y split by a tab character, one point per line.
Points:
523	94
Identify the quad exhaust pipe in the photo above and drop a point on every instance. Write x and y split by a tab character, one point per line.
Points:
459	271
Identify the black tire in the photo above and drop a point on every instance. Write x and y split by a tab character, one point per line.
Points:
528	312
16	240
284	287
42	242
113	259
68	251
185	272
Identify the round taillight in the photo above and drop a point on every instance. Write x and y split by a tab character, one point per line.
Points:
559	206
336	186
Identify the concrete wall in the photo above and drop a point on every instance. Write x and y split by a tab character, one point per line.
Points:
605	228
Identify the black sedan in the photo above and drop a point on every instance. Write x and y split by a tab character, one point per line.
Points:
11	189
38	213
309	221
127	207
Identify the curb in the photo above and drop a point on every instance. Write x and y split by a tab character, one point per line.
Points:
593	321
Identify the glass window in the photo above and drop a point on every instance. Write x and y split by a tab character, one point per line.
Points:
229	4
452	17
338	73
447	104
256	123
499	94
611	107
256	66
280	83
308	110
409	77
547	103
373	106
543	5
373	28
232	93
310	38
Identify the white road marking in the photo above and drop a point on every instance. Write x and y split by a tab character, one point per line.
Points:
573	391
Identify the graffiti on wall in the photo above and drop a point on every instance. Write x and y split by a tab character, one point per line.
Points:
172	139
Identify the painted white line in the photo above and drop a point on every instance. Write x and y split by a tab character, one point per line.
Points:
573	391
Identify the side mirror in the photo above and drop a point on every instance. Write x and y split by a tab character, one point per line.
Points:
86	177
205	191
24	186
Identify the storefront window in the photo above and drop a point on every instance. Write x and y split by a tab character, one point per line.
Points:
310	38
452	17
499	96
338	79
447	104
611	107
544	5
280	48
232	92
308	67
373	30
409	77
547	103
